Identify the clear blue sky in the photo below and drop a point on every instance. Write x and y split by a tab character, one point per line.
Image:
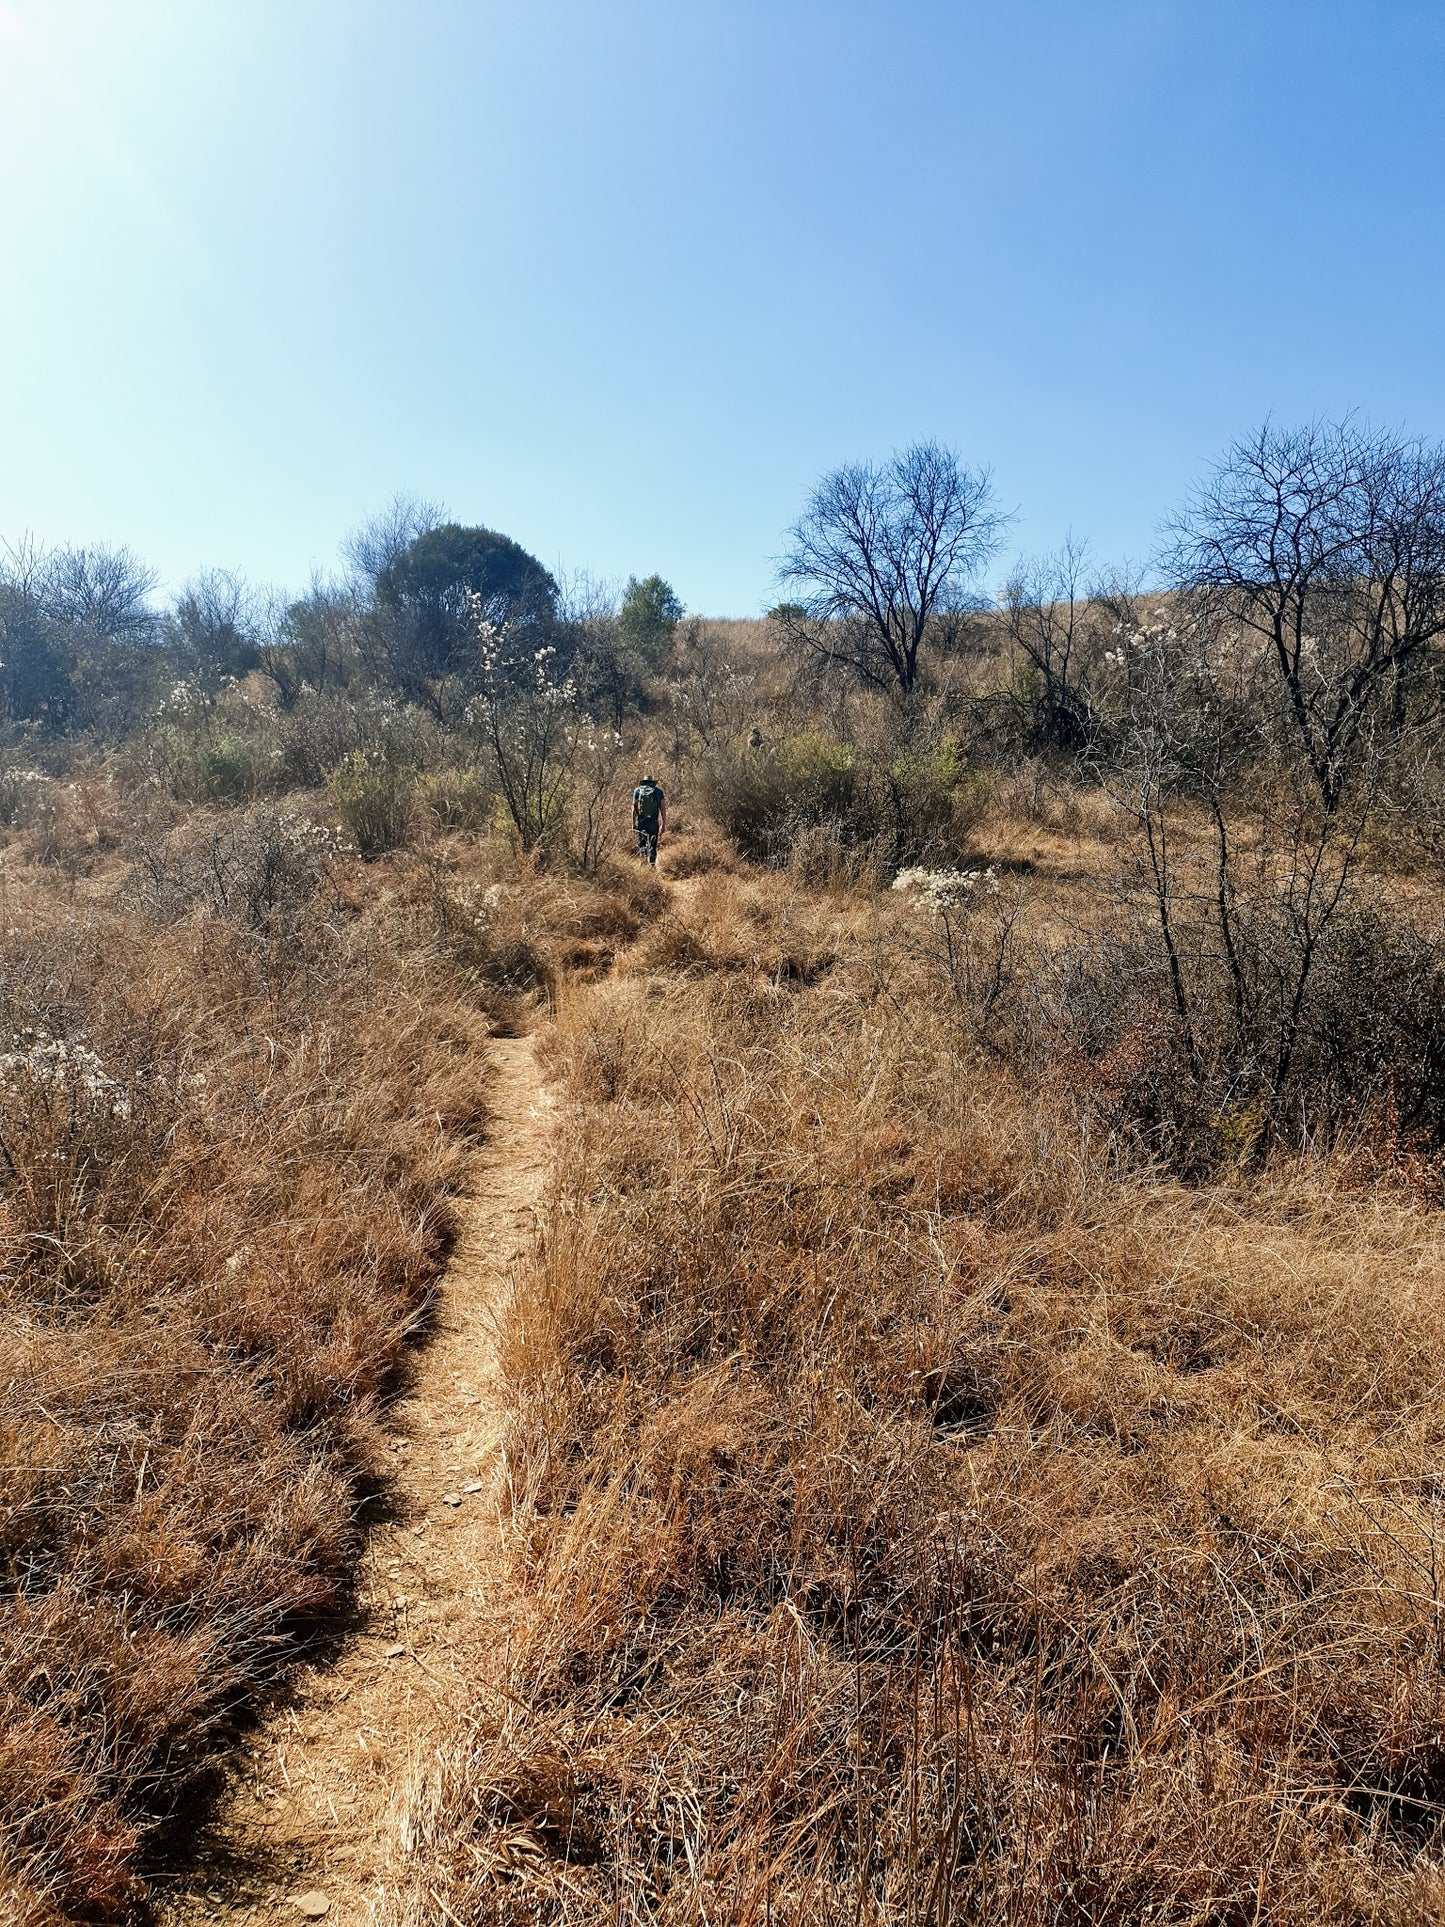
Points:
620	277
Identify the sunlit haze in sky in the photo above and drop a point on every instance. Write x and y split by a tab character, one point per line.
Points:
620	277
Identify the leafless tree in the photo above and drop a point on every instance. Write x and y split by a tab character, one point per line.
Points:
103	591
34	671
222	600
1327	545
710	691
1056	624
218	623
77	627
377	543
1263	710
881	559
314	642
608	676
1248	875
22	569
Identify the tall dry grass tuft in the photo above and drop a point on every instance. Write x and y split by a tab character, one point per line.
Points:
232	1098
913	1521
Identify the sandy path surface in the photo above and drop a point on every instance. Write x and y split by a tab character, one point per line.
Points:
310	1817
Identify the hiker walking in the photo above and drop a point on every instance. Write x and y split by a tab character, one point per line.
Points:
649	816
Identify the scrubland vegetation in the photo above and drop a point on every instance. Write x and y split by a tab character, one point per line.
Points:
232	1094
971	1422
916	1519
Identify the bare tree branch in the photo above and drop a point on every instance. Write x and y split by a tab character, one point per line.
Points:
881	554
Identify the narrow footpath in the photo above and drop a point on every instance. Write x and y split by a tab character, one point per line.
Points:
308	1826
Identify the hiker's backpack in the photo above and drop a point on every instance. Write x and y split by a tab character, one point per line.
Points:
648	799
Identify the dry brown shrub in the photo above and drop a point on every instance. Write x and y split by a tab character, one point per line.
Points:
513	927
697	853
228	1131
914	1521
760	925
68	810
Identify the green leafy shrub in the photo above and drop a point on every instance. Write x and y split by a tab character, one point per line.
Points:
813	794
457	797
220	748
375	796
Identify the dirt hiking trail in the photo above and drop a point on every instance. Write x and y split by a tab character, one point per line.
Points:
307	1825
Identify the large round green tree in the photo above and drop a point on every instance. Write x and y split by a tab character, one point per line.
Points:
426	599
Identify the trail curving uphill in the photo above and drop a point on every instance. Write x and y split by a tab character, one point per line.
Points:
307	1827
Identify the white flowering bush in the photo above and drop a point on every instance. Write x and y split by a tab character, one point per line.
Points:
53	1068
83	1124
27	797
528	721
483	931
214	746
599	794
977	938
945	890
468	914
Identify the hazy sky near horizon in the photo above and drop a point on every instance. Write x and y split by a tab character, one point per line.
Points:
621	277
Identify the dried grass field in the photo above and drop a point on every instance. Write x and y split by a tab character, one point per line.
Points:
915	1517
945	1462
229	1126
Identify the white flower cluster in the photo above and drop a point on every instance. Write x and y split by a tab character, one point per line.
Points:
496	643
477	906
71	1070
303	832
302	841
184	699
945	889
1153	627
22	793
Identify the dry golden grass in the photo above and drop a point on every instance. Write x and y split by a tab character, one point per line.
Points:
230	1116
917	1515
510	925
914	1520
